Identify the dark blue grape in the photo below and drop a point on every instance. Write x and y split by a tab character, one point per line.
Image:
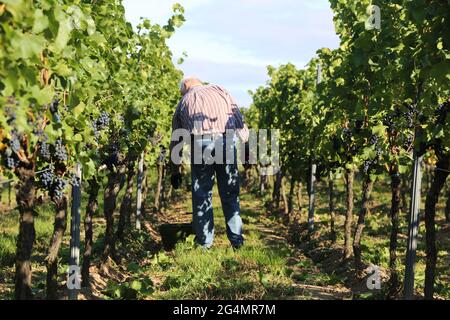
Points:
368	165
11	163
96	131
410	118
389	123
410	140
379	151
54	106
58	187
74	181
44	151
46	179
347	134
60	152
112	158
373	140
15	142
103	121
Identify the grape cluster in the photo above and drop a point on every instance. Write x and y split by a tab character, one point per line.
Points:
57	190
60	152
409	141
100	124
366	166
44	151
54	109
112	158
11	163
392	120
369	164
53	183
103	120
36	123
15	141
74	181
46	179
96	132
54	106
379	151
347	134
374	139
389	122
410	117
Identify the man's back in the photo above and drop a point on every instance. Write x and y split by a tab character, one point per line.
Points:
208	109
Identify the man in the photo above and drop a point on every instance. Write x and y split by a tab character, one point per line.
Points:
209	114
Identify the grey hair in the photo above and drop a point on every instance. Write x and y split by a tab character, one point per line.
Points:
185	81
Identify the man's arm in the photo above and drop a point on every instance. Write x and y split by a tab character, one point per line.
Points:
241	127
175	169
176	124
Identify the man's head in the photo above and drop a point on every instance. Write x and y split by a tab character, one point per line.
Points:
188	83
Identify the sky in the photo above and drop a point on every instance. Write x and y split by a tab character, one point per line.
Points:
231	42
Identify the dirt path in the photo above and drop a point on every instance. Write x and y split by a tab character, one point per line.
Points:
267	267
300	264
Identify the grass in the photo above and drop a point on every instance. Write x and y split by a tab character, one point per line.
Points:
9	226
267	267
256	271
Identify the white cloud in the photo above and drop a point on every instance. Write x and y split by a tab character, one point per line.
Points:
232	42
158	11
208	47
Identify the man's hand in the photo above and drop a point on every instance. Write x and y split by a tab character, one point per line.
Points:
247	164
176	178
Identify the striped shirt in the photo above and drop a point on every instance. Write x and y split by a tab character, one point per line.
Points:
209	110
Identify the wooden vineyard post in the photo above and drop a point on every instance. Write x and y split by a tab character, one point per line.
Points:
140	177
74	277
2	187
9	194
313	169
413	228
312	180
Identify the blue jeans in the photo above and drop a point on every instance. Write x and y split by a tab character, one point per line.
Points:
203	175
